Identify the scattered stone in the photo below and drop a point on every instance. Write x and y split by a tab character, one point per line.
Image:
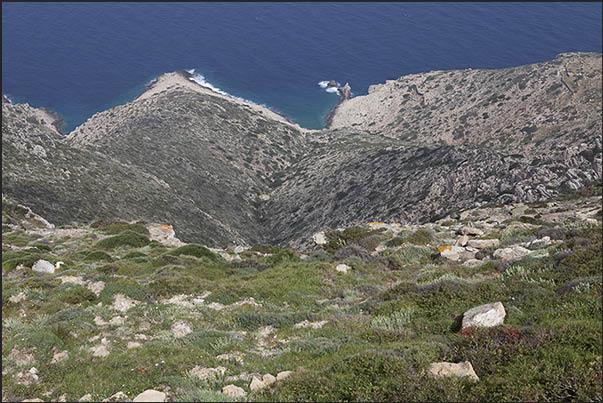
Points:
27	378
144	326
140	336
43	266
283	374
96	287
268	379
99	351
462	369
150	395
234	355
181	300
20	357
117	397
484	315
470	231
462	241
15	299
181	329
314	325
216	306
233	391
246	301
256	384
33	400
71	279
472	263
319	238
62	398
86	398
239	249
133	344
122	303
58	357
483	243
452	252
511	253
206	373
98	321
539	243
342	268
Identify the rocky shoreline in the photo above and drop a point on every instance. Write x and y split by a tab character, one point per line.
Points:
344	94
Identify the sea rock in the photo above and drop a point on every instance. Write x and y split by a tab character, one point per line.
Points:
470	231
43	266
484	315
181	329
319	238
511	253
268	379
483	243
256	384
283	374
150	395
343	268
461	369
233	391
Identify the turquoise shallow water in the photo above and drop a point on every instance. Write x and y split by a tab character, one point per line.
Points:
78	59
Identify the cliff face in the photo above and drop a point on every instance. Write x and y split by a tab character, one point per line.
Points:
225	171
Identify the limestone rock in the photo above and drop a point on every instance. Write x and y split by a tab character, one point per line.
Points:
462	241
233	391
452	252
511	253
268	379
43	266
313	325
181	329
462	369
484	315
15	299
343	268
471	263
471	231
122	303
132	344
86	398
58	357
239	249
282	375
150	395
256	384
206	373
96	287
483	243
33	400
319	238
99	351
117	397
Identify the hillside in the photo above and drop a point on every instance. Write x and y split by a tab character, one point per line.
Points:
227	172
378	312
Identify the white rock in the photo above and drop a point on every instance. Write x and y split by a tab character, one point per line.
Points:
15	299
99	351
122	303
216	306
452	252
86	398
71	279
43	266
319	238
462	241
150	395
471	263
181	329
233	391
343	268
484	315
239	249
471	231
117	397
256	384
283	374
206	373
33	400
483	243
462	369
96	287
268	379
511	253
133	344
314	325
58	357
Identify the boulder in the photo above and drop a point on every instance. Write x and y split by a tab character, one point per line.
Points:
452	252
282	375
319	238
239	249
233	391
150	395
484	315
461	369
181	329
511	253
256	384
86	398
268	379
470	231
343	268
43	266
483	243
462	241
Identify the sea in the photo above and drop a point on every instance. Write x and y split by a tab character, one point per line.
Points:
81	58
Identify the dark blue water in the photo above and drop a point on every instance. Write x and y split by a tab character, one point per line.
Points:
78	59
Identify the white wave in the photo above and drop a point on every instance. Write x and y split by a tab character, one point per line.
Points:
191	71
323	84
332	90
200	79
8	98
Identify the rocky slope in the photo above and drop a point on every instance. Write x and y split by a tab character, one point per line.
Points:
225	171
499	303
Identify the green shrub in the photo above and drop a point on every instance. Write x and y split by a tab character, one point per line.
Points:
193	249
117	227
422	236
394	322
133	254
126	238
76	295
98	256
